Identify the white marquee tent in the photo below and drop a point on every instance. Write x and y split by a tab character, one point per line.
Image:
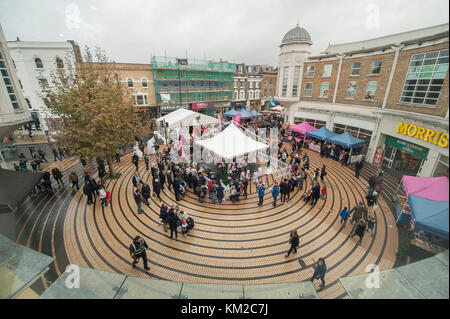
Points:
187	118
231	142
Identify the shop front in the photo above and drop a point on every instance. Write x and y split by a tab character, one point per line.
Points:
165	109
221	107
405	158
203	107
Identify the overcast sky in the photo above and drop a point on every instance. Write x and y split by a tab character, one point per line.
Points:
239	31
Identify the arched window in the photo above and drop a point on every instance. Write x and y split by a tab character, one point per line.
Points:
130	82
144	83
38	63
59	63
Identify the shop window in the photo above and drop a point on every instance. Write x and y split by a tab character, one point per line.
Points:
441	167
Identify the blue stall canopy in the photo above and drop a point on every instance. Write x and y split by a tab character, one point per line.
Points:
231	113
322	133
254	113
345	139
429	216
244	113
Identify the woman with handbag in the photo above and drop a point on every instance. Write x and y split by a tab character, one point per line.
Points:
294	241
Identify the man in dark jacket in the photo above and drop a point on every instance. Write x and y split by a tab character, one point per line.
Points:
372	184
284	190
135	160
57	175
319	272
176	189
169	179
137	250
359	211
146	193
162	179
136	179
173	223
87	190
164	216
157	188
138	200
360	230
315	194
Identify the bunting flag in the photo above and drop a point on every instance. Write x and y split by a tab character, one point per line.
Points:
237	119
181	139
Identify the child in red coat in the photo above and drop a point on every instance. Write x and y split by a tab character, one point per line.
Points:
108	197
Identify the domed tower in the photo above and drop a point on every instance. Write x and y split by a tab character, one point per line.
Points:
295	49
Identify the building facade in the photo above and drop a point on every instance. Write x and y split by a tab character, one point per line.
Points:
35	62
202	86
391	92
139	79
268	85
254	79
240	86
13	110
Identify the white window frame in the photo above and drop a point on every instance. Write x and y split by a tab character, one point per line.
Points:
325	67
372	67
353	68
128	84
328	90
367	90
306	90
250	95
310	69
296	81
349	90
242	95
142	83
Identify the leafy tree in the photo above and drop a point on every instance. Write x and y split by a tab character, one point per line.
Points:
97	111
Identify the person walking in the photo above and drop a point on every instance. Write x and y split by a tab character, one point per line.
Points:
360	230
261	190
146	193
169	179
323	172
379	184
102	195
319	272
147	161
176	189
344	216
42	155
136	179
294	240
162	179
137	250
371	225
173	223
57	175
315	194
301	179
135	160
245	187
164	216
213	192
55	154
358	167
87	190
372	183
275	191
284	190
138	199
73	177
372	200
323	194
157	188
359	211
220	193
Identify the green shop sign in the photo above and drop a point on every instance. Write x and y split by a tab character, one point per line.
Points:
411	148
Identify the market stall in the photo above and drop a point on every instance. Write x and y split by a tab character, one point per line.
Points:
322	134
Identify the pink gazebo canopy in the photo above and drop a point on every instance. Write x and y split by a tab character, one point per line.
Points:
432	188
303	128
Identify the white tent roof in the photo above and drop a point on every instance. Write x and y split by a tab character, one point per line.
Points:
231	142
187	118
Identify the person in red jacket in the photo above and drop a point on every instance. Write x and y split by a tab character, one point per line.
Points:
324	192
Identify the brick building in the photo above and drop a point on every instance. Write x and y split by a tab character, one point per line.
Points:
390	91
268	85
